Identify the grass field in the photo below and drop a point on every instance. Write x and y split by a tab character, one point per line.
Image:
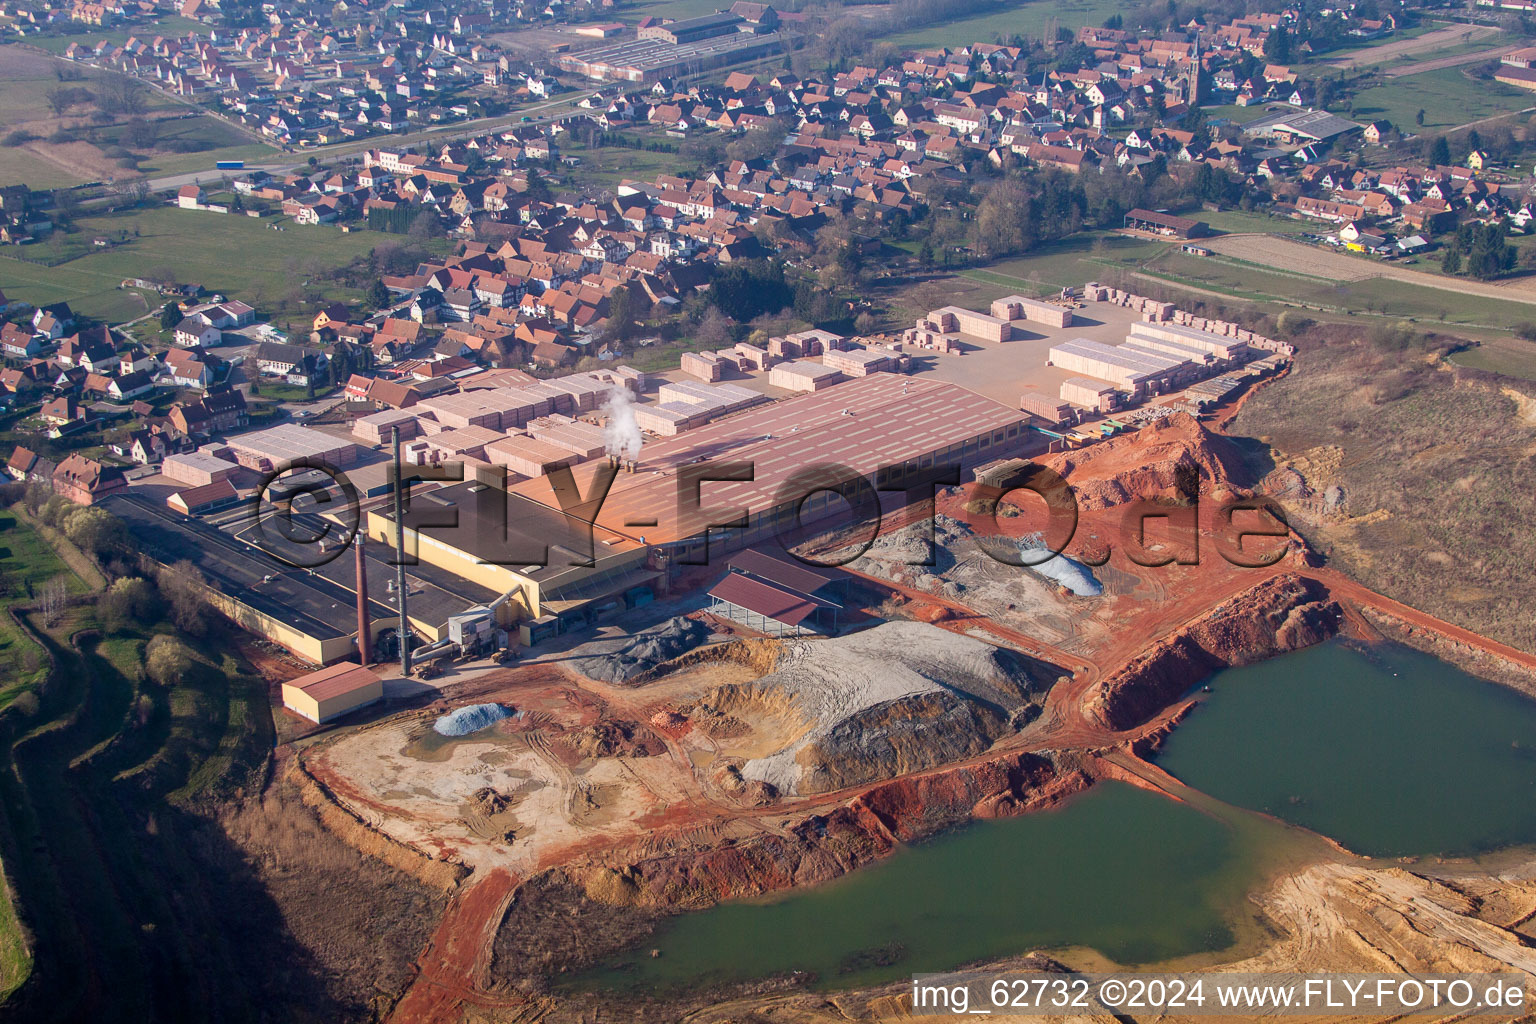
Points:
239	256
26	564
1447	97
1511	357
606	166
169	25
26	77
1236	221
1009	18
1397	299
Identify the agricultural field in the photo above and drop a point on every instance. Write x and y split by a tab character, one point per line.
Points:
169	25
240	256
1379	296
1448	97
1007	19
45	149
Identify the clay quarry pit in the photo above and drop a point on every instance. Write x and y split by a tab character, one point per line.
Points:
740	765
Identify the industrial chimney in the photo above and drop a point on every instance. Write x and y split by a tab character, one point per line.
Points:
364	644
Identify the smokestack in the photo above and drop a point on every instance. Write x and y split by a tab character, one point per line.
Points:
405	622
364	640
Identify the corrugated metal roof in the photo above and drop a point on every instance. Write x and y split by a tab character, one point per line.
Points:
343	677
778	603
784	571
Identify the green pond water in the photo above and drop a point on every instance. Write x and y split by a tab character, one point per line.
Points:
1385	749
1135	876
1388	750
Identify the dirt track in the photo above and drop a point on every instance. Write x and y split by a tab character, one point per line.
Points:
1439	38
1455	61
1328	265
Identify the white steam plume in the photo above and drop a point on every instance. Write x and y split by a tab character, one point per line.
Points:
622	433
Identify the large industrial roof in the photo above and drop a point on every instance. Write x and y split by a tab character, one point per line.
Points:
864	424
1314	124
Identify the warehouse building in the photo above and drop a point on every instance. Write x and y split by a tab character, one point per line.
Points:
332	692
691	30
1137	372
887	428
203	499
1165	224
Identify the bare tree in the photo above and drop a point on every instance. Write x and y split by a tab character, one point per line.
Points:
714	330
51	601
60	99
182	586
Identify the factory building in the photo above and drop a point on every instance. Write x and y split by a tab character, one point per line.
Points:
520	547
1139	372
884	427
646	60
312	614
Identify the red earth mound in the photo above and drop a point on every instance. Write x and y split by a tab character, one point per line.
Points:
1149	464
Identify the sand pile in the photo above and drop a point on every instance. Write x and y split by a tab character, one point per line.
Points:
469	719
641	653
898	698
1154	463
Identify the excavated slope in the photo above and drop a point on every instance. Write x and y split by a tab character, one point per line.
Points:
898	698
1148	465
